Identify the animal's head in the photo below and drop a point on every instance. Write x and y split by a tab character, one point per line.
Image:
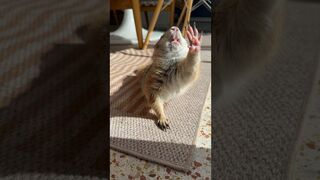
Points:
171	42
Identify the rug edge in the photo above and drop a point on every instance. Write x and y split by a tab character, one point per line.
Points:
188	161
149	158
186	166
292	163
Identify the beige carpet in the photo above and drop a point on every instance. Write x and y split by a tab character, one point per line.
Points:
255	135
132	124
52	91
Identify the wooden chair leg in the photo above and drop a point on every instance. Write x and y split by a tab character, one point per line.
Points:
181	15
153	22
172	7
147	18
137	20
187	18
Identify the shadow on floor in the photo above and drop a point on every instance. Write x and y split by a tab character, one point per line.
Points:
58	126
307	1
130	90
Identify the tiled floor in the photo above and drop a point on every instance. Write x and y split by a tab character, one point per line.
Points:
123	166
306	164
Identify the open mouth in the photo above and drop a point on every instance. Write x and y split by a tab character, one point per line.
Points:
175	38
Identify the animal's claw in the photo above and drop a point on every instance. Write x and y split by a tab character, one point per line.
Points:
194	38
163	125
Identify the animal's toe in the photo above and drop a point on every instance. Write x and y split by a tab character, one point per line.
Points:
163	125
167	126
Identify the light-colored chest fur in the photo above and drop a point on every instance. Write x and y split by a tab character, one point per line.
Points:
165	78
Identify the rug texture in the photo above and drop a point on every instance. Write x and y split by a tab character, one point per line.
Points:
53	98
255	135
132	127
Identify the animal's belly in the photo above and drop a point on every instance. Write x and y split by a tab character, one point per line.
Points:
173	89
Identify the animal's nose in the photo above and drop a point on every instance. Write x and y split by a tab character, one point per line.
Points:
174	28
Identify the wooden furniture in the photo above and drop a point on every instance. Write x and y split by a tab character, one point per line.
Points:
153	22
189	8
186	13
186	10
168	6
135	5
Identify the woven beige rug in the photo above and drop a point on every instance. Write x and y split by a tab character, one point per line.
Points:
255	134
132	126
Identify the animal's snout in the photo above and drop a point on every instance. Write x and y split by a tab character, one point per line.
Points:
174	28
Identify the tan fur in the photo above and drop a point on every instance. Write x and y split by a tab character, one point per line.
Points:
171	73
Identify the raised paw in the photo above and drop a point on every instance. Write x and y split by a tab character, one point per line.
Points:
163	124
194	39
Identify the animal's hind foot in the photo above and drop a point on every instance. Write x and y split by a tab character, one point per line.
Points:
163	124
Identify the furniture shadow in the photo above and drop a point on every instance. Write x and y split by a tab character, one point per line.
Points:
129	101
121	45
58	126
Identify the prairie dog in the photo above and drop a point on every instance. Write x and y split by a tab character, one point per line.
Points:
174	68
246	35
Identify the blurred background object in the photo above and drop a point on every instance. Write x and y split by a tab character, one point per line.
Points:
172	13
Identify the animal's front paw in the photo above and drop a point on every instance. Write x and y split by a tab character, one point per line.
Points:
163	124
194	39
